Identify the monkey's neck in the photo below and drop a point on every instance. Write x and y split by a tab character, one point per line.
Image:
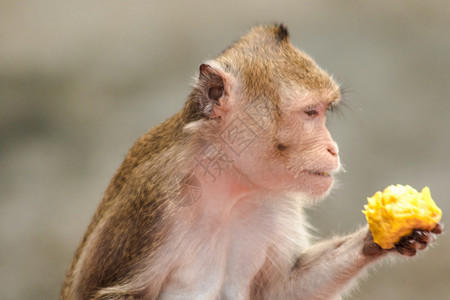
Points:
219	196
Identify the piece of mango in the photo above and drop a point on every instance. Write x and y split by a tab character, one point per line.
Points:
397	211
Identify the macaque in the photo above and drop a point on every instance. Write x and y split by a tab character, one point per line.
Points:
209	204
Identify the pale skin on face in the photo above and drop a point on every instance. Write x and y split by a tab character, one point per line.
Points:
308	158
318	173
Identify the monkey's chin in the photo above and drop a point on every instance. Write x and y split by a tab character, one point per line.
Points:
317	185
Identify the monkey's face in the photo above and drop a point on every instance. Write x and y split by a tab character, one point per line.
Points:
296	152
276	135
307	150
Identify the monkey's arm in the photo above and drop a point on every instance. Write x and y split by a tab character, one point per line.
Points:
327	267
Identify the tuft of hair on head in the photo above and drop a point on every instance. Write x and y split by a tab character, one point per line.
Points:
281	32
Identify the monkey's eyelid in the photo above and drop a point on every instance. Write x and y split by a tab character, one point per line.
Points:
311	112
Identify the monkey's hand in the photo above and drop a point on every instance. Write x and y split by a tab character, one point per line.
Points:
408	245
399	210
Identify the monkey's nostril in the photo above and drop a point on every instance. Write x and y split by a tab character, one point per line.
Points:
333	150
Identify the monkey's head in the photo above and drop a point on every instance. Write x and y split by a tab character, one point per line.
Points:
265	102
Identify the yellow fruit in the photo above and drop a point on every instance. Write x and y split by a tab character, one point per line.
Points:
397	211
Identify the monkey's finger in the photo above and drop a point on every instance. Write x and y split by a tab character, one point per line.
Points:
421	246
418	240
438	229
422	236
406	250
372	249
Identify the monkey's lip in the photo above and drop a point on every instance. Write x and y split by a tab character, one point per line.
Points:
318	173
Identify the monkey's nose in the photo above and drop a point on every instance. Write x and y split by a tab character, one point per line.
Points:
333	149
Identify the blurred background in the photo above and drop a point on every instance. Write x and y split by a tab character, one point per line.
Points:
80	81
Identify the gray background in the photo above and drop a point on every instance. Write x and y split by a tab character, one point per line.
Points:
80	81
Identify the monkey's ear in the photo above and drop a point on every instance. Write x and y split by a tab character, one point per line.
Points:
211	92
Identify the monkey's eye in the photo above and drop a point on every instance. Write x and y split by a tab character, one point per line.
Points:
311	112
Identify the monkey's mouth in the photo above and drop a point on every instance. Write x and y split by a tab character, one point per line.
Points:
318	173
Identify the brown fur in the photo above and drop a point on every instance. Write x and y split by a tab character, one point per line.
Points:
133	191
133	224
134	207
